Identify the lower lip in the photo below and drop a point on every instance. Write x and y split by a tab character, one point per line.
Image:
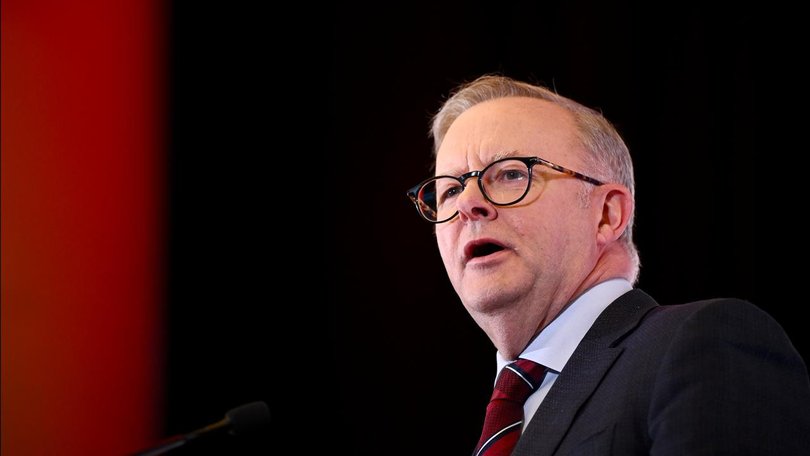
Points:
488	260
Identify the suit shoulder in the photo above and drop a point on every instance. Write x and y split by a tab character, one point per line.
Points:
714	319
721	322
715	308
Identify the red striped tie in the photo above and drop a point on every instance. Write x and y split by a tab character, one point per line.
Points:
516	382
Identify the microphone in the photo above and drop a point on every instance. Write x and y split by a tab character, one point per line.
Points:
242	420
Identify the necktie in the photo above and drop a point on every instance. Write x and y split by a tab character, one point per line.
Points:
516	382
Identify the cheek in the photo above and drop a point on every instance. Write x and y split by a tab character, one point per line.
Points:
445	239
536	233
527	226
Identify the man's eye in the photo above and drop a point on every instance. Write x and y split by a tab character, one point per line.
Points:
450	193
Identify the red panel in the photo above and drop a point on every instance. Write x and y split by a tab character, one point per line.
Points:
82	226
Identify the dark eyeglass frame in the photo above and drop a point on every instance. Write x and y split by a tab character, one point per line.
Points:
528	161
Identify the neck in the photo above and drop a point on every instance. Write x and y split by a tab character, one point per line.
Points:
513	327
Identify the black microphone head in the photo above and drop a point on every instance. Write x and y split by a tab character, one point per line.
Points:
248	418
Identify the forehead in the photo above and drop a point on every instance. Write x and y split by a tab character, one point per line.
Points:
525	126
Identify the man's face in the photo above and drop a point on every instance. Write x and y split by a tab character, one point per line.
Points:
537	251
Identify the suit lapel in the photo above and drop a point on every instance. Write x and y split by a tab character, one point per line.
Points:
582	374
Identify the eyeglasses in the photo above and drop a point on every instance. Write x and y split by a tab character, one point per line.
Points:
503	182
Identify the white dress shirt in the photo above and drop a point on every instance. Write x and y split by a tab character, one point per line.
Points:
556	342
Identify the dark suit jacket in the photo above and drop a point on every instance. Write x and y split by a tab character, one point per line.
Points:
715	377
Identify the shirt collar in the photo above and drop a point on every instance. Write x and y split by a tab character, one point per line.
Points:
556	342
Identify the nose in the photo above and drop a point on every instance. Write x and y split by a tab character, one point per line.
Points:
472	205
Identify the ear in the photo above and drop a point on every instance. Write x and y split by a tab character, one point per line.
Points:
617	205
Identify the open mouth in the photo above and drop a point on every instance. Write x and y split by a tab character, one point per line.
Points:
482	249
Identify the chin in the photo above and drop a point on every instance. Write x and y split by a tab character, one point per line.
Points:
488	299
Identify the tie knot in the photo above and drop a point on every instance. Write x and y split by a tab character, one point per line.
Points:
518	380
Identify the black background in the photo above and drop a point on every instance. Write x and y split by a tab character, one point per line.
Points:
299	273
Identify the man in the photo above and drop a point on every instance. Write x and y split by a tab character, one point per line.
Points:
532	200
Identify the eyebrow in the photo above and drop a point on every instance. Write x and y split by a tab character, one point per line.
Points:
500	155
494	158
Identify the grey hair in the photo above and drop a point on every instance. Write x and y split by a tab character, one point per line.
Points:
608	160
